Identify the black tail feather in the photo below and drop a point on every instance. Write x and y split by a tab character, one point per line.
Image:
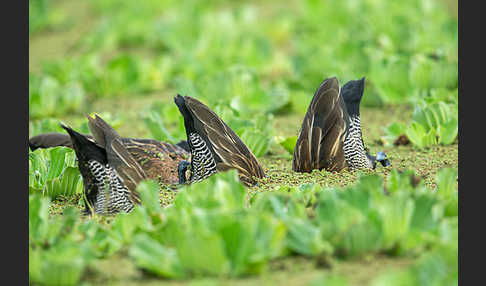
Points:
352	92
188	118
85	148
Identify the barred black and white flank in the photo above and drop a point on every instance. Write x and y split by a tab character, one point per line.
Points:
214	146
330	137
203	164
112	196
110	174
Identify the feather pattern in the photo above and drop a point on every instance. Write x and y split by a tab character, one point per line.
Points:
354	149
128	169
330	137
106	190
321	138
226	148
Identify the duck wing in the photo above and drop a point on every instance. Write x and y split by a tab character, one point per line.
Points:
117	154
321	138
227	149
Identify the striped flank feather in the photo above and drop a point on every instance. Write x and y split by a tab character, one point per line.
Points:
330	137
215	143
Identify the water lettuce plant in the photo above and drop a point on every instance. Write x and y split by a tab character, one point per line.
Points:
54	172
212	229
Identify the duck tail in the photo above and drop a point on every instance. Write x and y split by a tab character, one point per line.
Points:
85	148
352	93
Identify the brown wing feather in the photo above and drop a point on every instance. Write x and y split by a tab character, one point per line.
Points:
118	156
229	150
321	139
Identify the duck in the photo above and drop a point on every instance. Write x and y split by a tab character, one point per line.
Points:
214	146
330	137
161	161
211	146
110	173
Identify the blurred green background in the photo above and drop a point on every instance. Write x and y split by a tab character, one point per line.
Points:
128	59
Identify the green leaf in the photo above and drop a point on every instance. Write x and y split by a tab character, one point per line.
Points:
57	162
289	144
448	132
155	124
256	141
424	218
61	265
305	238
330	280
280	204
105	243
400	181
66	184
446	179
396	213
202	252
439	267
221	191
155	258
38	218
149	194
395	277
417	133
394	130
251	240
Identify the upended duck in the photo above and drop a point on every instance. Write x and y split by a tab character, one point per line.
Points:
161	161
110	173
330	137
214	145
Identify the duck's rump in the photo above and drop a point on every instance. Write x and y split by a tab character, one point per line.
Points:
159	160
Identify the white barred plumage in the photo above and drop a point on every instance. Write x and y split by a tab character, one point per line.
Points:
354	152
202	160
113	195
